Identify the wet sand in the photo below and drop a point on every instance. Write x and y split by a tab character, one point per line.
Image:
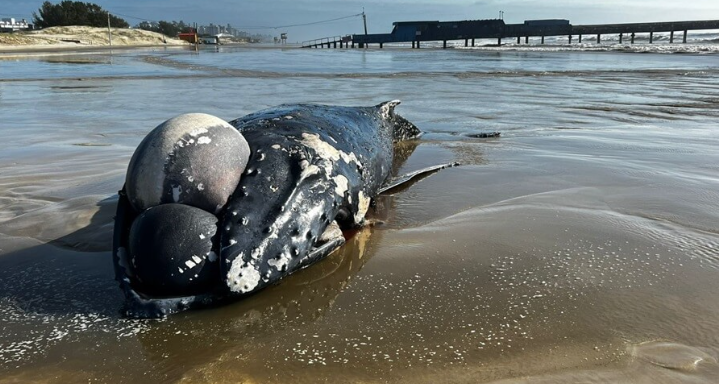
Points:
581	246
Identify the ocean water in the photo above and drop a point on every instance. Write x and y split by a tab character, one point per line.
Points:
580	246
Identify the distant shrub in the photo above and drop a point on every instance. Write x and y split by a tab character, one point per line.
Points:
74	13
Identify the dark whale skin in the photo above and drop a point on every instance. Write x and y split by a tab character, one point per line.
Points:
310	165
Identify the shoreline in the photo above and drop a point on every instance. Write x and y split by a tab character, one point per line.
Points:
10	50
7	50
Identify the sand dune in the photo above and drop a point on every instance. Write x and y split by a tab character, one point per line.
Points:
82	37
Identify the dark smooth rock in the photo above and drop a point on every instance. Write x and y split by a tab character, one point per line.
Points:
194	159
171	250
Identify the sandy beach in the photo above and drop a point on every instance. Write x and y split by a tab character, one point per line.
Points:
71	38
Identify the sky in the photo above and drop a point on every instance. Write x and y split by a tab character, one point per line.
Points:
246	15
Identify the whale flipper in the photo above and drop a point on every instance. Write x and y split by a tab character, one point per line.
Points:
408	179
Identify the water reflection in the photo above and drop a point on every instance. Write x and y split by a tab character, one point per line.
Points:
198	338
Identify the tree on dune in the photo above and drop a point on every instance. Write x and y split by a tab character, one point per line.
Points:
167	28
74	13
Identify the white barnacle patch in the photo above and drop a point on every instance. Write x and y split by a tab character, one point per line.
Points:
363	206
202	236
200	187
200	130
308	169
276	146
386	108
279	262
326	151
328	155
262	157
342	185
176	191
323	149
190	264
288	117
204	140
242	277
273	188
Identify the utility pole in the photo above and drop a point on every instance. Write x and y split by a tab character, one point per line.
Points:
109	32
364	18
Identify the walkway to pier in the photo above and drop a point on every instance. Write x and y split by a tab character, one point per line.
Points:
330	42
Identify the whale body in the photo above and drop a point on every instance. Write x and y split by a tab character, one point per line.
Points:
312	171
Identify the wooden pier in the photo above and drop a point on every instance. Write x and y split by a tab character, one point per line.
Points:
330	42
416	32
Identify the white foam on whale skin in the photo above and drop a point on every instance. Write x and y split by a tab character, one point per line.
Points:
243	277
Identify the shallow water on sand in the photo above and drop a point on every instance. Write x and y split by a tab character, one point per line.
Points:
581	245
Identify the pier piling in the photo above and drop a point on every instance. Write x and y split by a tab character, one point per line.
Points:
671	37
580	39
684	39
651	37
621	35
632	37
599	38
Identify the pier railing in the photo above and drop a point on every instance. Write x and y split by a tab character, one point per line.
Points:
328	42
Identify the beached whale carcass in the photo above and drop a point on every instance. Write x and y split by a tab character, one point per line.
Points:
307	172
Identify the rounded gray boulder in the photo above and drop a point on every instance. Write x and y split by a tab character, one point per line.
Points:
194	159
171	250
